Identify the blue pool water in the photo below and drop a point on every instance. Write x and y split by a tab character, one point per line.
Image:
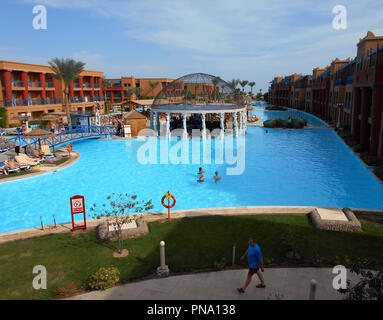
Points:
282	167
292	113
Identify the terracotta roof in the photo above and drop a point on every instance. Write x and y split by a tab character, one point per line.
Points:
134	115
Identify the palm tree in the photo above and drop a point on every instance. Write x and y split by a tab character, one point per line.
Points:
66	70
128	93
137	91
251	85
105	84
243	84
152	86
234	83
215	81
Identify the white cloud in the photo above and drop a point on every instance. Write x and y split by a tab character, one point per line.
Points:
243	38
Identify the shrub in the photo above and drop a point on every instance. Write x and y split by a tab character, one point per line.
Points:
275	108
357	148
379	172
220	265
3	117
369	286
269	123
14	125
104	278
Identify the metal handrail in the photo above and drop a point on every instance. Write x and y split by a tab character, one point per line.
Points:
72	133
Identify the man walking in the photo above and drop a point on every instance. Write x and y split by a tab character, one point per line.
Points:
254	257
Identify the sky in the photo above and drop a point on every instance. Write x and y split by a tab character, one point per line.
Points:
252	40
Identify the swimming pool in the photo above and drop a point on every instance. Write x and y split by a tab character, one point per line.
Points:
283	167
292	113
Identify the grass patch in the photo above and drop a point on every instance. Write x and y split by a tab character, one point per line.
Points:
15	174
191	244
58	162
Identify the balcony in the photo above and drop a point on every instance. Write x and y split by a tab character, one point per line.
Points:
85	99
17	83
96	85
339	82
34	84
49	85
77	85
96	99
87	85
29	102
350	80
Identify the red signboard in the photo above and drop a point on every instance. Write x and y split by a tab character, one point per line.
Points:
77	205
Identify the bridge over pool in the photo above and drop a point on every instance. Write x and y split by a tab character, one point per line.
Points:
68	134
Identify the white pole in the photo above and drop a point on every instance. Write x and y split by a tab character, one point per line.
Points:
313	286
185	133
162	254
235	124
203	126
168	124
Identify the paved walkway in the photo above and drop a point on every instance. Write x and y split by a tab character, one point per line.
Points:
281	283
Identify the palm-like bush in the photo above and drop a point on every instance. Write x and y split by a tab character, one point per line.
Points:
152	86
251	85
243	84
215	82
66	70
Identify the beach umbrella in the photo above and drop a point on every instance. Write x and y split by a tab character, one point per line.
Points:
49	116
4	140
21	117
38	133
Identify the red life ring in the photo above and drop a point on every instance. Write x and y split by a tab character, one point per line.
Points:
168	206
69	147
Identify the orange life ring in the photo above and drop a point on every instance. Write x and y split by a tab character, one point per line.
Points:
69	147
168	206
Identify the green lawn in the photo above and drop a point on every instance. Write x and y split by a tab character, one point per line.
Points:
191	244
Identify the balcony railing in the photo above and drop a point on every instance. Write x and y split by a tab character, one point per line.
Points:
34	84
339	82
95	99
85	99
49	85
96	85
17	83
350	80
87	85
77	85
29	102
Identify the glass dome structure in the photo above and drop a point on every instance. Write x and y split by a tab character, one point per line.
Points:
198	101
198	92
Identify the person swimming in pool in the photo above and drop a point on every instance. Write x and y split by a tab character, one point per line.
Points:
217	176
201	171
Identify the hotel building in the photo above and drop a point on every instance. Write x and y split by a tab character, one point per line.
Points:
31	88
347	92
115	92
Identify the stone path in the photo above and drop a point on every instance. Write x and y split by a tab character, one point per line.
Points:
281	283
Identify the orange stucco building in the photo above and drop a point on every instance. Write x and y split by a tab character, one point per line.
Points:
347	92
115	92
31	88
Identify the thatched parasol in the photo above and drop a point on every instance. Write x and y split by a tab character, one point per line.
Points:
50	117
21	117
38	133
4	140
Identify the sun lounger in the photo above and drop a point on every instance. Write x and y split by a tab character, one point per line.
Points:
13	163
47	153
23	158
6	169
22	161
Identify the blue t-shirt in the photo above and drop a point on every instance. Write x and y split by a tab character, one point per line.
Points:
254	254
